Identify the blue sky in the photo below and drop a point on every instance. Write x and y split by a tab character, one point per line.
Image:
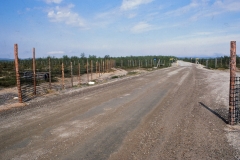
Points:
119	28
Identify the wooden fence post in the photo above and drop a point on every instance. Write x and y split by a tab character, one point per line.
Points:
91	65
62	75
103	67
215	63
34	73
17	73
106	65
87	72
79	78
231	117
101	64
71	74
99	68
96	67
50	75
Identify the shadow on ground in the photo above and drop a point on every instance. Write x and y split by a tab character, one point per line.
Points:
221	113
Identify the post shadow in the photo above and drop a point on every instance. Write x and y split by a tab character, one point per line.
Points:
218	112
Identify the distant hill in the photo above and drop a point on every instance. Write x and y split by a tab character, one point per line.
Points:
6	59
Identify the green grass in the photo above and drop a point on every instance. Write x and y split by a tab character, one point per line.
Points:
8	81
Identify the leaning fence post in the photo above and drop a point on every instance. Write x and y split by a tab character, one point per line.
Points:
50	75
231	117
34	73
17	73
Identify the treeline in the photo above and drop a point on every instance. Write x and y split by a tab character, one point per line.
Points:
7	68
213	63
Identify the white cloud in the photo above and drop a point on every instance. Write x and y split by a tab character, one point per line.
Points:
141	27
228	5
132	15
66	15
217	8
53	1
184	9
132	4
203	8
56	52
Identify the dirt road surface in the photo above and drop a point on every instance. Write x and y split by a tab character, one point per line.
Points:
174	113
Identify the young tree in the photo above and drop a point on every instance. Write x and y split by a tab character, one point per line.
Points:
83	55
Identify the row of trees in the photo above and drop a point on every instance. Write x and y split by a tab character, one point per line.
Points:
7	68
213	63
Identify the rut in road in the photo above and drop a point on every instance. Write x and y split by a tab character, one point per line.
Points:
148	117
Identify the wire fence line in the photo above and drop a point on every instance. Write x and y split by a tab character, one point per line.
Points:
41	78
38	76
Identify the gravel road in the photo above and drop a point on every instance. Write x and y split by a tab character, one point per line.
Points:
174	113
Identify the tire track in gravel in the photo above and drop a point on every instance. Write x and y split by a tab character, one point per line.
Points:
179	128
32	132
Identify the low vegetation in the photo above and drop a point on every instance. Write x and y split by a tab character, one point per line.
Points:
8	75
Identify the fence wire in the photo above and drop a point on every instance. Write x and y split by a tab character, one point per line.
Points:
237	99
53	74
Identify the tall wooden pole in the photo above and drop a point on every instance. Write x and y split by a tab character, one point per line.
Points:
232	83
99	67
17	73
50	75
71	74
34	73
62	75
91	70
79	78
87	72
96	67
103	67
